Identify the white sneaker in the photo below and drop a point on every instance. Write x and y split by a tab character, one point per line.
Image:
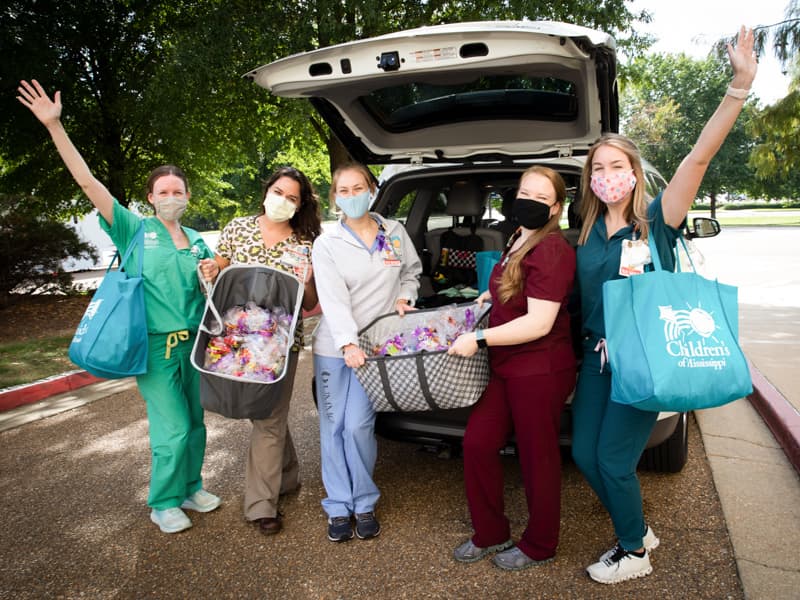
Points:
170	520
620	566
201	501
650	542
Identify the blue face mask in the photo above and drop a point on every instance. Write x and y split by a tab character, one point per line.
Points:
354	206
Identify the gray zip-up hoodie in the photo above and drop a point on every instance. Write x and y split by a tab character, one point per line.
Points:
356	286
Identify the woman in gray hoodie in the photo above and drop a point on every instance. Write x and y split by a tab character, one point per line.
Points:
365	266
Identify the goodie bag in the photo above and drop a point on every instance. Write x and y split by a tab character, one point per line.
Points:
111	338
233	396
672	340
424	380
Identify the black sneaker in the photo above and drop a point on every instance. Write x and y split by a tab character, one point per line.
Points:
340	529
367	525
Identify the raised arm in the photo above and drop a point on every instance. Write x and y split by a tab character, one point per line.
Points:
682	188
48	112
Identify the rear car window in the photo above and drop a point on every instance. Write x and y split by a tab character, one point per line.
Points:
415	105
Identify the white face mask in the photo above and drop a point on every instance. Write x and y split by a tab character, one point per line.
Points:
171	208
278	208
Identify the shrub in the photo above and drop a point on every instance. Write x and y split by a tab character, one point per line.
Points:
32	248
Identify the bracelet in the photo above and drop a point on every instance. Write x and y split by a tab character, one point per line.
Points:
738	93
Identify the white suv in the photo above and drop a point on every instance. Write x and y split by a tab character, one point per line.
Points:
470	106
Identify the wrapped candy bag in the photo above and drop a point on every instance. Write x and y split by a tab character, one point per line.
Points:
254	345
437	332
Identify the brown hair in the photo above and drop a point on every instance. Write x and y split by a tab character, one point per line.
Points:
592	208
350	166
163	171
306	222
511	282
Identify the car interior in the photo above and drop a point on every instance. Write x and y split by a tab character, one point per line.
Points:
450	217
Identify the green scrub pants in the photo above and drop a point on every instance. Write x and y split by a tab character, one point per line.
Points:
171	390
607	442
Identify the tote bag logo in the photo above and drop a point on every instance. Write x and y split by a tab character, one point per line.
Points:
690	335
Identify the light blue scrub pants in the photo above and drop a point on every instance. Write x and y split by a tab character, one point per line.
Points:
171	390
348	446
607	442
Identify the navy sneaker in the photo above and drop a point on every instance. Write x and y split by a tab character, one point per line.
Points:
340	529
367	525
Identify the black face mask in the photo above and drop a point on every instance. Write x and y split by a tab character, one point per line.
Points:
530	213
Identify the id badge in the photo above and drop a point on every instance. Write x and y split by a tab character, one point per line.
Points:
296	258
635	255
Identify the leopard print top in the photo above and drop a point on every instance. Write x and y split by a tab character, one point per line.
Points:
241	243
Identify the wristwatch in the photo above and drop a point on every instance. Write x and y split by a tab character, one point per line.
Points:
480	339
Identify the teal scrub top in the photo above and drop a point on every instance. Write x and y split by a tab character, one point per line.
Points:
599	258
172	294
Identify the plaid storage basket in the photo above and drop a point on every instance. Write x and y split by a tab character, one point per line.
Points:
422	380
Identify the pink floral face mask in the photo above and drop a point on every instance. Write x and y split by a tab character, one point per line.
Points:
614	188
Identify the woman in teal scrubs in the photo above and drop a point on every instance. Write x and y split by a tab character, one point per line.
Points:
608	438
174	305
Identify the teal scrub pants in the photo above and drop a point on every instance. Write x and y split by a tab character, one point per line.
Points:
171	391
607	442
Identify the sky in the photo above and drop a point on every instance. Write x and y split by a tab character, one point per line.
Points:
693	26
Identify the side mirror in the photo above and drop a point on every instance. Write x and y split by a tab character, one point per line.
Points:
703	227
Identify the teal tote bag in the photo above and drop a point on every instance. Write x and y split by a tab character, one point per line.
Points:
485	261
672	340
111	338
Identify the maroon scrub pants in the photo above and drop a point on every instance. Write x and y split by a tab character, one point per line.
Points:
530	406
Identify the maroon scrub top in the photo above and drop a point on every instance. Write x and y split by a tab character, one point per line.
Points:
549	274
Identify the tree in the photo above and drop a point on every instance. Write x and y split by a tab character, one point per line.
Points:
33	248
151	82
776	158
103	57
681	94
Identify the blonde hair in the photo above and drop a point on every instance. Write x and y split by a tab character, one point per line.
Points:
592	208
511	281
350	166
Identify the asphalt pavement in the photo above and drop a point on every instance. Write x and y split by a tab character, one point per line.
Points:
74	472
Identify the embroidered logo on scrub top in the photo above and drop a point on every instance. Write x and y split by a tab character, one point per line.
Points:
150	239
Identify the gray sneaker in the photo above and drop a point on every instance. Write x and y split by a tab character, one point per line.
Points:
515	559
469	552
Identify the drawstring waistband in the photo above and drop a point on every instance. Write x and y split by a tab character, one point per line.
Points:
173	339
601	348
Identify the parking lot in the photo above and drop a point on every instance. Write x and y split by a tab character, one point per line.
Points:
76	523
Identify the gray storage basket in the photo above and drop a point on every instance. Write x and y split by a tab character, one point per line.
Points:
237	285
423	380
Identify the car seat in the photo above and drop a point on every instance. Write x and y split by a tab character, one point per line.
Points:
455	246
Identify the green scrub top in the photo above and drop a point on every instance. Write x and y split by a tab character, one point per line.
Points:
172	295
599	258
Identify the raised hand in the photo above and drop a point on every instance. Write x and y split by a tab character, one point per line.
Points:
743	59
36	99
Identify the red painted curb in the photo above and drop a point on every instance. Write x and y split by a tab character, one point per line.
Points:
39	390
780	416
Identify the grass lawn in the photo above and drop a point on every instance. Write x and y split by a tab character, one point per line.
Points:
732	218
30	360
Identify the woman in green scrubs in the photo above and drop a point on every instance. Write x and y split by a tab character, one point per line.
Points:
174	305
608	438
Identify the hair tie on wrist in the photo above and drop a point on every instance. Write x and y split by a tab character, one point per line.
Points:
738	93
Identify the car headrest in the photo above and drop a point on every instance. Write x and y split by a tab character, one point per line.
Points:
464	200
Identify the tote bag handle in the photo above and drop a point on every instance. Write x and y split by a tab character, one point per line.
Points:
137	241
657	259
